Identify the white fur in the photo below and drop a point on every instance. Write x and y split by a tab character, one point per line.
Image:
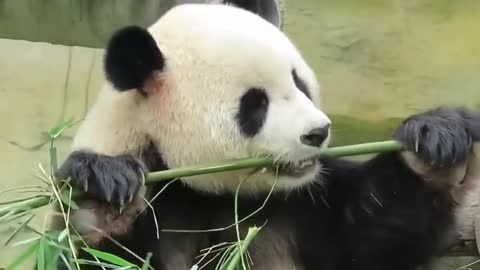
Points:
214	53
112	126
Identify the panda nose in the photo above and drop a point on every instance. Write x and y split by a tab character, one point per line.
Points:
316	136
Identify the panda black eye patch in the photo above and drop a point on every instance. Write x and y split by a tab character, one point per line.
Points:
300	84
253	111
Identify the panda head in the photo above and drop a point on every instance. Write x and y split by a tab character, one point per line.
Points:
214	83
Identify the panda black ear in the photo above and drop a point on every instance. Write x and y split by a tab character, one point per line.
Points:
131	56
270	10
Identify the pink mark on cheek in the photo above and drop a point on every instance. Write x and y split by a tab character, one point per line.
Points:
159	92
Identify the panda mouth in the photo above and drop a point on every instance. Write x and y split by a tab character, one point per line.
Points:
297	168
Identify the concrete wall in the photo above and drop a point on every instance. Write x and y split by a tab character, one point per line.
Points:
75	22
86	23
377	61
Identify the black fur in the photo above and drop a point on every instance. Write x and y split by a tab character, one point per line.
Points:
300	84
267	9
111	179
249	5
440	137
131	57
374	215
253	111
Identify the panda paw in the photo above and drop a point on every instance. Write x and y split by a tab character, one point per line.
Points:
439	139
112	179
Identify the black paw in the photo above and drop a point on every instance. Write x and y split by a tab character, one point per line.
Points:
440	137
112	179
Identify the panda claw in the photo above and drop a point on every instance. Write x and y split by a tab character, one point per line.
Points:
130	198
85	186
440	137
114	180
122	201
109	197
121	208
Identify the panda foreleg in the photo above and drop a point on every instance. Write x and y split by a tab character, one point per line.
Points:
114	193
443	148
399	208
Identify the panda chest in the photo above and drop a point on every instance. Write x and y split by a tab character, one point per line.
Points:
269	250
275	244
195	228
274	247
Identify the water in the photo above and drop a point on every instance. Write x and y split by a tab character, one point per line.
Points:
378	61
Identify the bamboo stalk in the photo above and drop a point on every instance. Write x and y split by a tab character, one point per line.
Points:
333	152
234	262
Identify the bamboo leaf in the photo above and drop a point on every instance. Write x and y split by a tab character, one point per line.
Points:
94	263
22	258
59	128
65	261
23	206
25	255
17	230
24	242
67	200
41	255
110	258
146	264
62	235
52	256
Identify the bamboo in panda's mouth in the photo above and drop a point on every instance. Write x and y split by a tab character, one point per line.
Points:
296	168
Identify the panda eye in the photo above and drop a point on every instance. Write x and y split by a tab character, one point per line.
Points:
252	111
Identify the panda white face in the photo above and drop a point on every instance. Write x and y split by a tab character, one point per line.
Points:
229	85
234	87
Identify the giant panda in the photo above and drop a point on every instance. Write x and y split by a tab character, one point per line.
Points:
208	83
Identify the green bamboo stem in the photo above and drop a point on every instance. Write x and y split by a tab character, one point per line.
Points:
234	262
333	152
